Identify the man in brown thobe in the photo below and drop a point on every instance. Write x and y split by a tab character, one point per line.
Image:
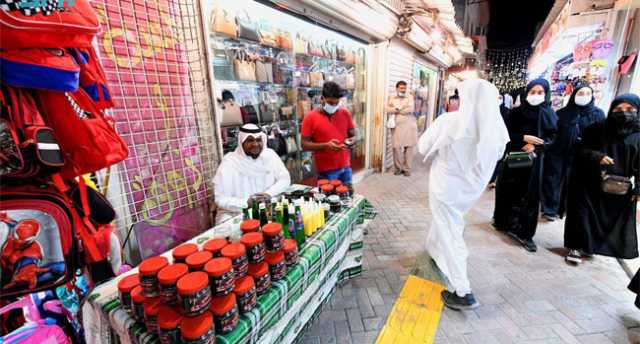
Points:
405	134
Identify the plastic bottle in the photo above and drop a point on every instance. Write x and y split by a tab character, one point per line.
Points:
300	229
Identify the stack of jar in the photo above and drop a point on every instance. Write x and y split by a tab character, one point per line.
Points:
203	292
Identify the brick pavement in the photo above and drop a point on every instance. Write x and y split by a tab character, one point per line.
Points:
526	298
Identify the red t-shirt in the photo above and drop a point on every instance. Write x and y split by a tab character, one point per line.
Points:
321	129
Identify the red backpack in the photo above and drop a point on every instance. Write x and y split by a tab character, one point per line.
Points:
23	25
28	147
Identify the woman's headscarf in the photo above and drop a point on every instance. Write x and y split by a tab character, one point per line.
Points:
571	114
549	119
617	128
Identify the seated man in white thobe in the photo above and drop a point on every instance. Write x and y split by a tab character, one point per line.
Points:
251	170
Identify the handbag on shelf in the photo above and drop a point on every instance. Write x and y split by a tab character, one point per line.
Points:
231	114
350	56
268	36
301	45
329	49
517	160
223	65
284	40
341	53
264	71
222	21
316	79
304	106
286	112
615	185
245	69
315	49
247	28
267	112
252	114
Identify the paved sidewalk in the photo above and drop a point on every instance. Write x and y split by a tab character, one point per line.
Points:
526	298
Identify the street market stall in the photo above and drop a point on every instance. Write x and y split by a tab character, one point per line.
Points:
332	255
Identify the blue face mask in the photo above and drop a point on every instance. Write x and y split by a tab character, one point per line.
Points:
330	109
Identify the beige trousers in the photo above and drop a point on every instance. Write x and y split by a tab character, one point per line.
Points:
402	158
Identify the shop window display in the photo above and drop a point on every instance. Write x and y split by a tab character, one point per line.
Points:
269	69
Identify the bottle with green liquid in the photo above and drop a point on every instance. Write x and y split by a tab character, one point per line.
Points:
299	227
263	215
280	218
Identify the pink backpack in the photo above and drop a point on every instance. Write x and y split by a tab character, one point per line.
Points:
35	330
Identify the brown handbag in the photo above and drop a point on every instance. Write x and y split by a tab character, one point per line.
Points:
616	185
223	21
304	106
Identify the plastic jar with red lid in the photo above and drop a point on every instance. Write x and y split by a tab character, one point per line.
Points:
151	309
225	313
221	277
168	279
125	286
254	244
343	192
215	246
322	182
198	260
273	238
336	183
169	319
290	252
198	330
248	226
277	265
149	269
194	294
261	277
238	255
137	303
245	294
327	189
183	251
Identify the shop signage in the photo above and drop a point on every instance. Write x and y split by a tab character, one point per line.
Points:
146	65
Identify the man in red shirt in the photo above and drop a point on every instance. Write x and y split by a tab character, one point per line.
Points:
328	132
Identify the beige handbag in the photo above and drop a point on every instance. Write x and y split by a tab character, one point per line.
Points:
245	69
304	106
264	71
231	114
317	79
300	45
350	56
223	21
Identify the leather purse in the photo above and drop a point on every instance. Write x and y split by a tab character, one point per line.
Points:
245	69
517	160
264	71
231	114
316	79
268	36
284	40
267	113
222	21
301	45
304	106
251	114
315	49
615	185
350	56
341	53
247	28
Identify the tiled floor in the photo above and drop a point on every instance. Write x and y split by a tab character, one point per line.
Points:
526	298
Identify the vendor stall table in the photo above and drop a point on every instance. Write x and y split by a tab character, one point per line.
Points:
331	256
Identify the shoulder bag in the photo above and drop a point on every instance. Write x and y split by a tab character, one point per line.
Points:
247	28
300	45
231	114
268	35
616	185
222	22
517	160
284	40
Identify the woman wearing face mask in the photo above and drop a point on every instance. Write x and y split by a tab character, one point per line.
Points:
532	127
599	221
579	113
405	134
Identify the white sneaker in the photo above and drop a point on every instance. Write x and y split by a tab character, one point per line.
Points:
574	257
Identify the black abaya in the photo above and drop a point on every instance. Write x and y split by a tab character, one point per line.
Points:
518	191
597	222
572	121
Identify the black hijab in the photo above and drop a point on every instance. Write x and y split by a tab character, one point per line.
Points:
549	119
572	113
617	128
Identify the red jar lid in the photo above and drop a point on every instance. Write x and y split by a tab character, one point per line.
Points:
192	282
274	258
244	284
218	266
151	266
326	188
250	226
215	245
183	251
234	250
322	182
195	327
169	318
222	304
342	189
251	239
258	270
152	306
136	295
199	259
272	229
290	245
172	273
336	183
127	284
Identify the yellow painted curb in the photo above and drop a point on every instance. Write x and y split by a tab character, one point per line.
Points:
415	315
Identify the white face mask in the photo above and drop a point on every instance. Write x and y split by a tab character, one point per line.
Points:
517	102
583	100
402	94
330	109
535	99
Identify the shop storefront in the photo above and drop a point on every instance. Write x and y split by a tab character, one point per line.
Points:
269	67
